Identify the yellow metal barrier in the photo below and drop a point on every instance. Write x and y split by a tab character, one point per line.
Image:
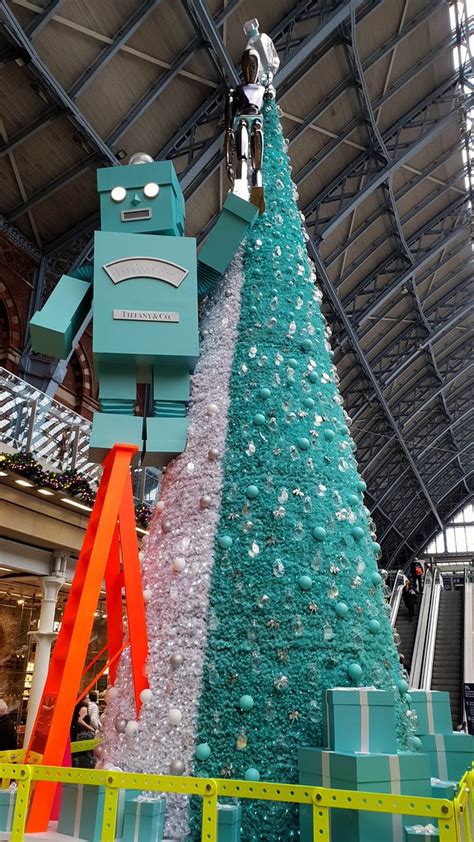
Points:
84	745
455	817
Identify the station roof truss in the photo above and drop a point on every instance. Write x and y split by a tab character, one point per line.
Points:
376	98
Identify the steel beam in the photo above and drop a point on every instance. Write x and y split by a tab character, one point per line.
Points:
462	372
359	353
41	19
204	23
16	36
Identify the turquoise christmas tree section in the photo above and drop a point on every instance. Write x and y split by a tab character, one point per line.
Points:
295	588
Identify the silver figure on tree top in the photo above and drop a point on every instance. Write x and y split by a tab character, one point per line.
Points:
243	114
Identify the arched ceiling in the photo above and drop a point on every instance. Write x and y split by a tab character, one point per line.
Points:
375	115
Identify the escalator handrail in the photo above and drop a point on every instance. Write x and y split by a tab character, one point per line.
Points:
396	596
430	644
432	584
468	634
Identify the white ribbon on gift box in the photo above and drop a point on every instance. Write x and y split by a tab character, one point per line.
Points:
136	833
395	789
441	756
11	809
326	768
77	815
429	711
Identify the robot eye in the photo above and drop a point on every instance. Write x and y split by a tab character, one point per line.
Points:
118	194
151	190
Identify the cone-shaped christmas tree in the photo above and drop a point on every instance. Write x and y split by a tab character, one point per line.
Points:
261	563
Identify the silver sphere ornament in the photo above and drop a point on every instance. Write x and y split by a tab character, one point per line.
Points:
132	728
166	526
160	506
146	696
120	724
212	408
213	454
176	767
99	752
174	716
112	693
205	501
176	661
179	564
147	595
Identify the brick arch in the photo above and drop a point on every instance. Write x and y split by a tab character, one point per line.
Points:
11	337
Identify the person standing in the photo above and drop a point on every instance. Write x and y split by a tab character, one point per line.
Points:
81	729
416	570
410	597
93	710
8	738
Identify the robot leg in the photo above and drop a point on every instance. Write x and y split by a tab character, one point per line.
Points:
167	431
256	151
116	421
242	148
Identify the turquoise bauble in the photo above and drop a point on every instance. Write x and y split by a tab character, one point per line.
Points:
353	499
329	435
252	774
416	743
357	532
342	609
360	485
225	541
374	626
308	403
408	698
312	377
246	702
303	443
305	582
355	671
402	685
203	751
292	363
319	533
375	578
376	547
259	419
251	491
306	344
264	393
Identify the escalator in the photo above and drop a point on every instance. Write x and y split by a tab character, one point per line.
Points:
407	631
447	671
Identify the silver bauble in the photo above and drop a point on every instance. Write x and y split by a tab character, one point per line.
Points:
176	767
205	501
120	723
176	661
213	454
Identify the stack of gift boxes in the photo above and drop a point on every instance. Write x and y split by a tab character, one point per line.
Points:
140	816
450	754
360	753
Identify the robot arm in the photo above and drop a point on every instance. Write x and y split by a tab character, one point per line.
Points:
229	134
234	221
54	327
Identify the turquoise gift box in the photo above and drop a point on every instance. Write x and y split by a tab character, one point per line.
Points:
443	789
450	755
229	817
7	808
414	832
405	773
359	719
82	808
81	811
144	819
433	710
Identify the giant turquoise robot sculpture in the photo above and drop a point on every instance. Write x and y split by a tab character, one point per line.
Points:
144	287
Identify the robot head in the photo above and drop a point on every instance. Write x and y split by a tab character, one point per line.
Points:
143	197
250	66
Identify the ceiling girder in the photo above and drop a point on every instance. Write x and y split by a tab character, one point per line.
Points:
41	19
17	37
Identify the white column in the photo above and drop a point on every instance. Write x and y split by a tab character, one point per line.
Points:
45	635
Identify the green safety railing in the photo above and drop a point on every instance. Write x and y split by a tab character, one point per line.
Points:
454	817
